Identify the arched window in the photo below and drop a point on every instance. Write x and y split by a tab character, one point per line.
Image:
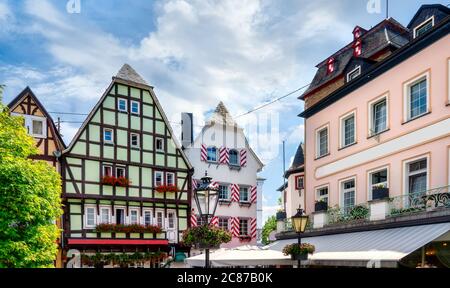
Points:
234	157
212	154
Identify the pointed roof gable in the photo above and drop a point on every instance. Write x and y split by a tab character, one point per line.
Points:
28	92
127	73
221	115
298	162
428	10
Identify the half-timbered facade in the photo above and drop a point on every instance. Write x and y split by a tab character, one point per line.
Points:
41	127
223	151
121	168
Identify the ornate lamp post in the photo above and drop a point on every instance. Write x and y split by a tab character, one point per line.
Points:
206	197
299	222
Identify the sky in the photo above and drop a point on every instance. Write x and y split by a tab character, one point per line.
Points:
195	53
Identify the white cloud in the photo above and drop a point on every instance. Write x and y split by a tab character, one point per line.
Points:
6	17
269	211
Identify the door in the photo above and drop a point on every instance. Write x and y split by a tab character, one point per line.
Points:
171	226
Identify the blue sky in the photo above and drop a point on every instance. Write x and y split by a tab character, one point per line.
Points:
195	54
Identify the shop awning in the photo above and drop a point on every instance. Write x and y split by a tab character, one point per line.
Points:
385	247
241	256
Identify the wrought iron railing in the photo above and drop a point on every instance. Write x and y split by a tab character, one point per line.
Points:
338	214
417	202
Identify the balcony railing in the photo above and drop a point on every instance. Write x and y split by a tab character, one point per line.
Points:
356	213
417	202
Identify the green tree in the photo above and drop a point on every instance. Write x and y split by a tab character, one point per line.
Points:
29	200
269	226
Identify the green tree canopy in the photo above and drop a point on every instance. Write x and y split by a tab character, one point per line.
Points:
269	226
29	200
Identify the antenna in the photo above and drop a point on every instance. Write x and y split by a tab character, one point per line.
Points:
387	9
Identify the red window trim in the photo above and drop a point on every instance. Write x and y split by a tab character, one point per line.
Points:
296	182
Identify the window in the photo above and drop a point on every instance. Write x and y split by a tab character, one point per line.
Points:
234	157
105	215
424	27
120	216
171	220
122	105
299	182
120	172
417	97
223	192
348	130
108	135
417	176
38	127
134	216
378	116
159	144
322	142
243	194
223	223
91	216
159	218
170	178
322	194
135	140
158	178
107	170
212	154
134	107
243	227
378	179
348	195
354	73
147	217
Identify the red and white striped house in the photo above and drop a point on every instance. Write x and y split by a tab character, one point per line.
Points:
223	150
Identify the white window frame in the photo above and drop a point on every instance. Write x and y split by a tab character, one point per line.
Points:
86	224
240	227
43	120
167	178
357	68
217	154
124	171
342	191
125	220
369	180
320	197
132	209
144	211
320	129
103	170
248	194
101	215
371	128
423	24
162	178
171	211
138	108
407	95
137	138
162	144
342	120
157	211
228	192
118	105
112	135
224	219
406	173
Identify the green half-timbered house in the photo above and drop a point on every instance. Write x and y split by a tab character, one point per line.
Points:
116	171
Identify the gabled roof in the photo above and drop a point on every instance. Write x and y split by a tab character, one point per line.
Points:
28	92
128	76
433	8
298	162
387	33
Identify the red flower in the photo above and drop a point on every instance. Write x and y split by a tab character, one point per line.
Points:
113	181
133	228
167	188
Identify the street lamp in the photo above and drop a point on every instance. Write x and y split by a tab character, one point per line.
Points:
206	197
299	222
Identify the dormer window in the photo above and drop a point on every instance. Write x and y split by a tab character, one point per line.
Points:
330	66
424	27
354	73
357	48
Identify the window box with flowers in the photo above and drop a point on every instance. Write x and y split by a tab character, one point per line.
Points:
133	228
167	189
320	206
299	251
116	181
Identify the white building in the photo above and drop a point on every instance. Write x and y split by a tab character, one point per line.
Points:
223	151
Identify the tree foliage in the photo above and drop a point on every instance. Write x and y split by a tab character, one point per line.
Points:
29	200
269	226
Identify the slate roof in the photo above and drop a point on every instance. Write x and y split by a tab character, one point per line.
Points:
426	11
129	74
387	33
298	162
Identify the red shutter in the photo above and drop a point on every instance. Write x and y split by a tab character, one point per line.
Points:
243	157
253	194
253	227
224	157
203	153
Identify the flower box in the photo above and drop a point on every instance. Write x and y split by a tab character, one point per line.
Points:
167	189
320	206
380	193
301	257
127	229
116	181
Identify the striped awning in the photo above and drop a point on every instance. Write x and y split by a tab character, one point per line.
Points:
366	248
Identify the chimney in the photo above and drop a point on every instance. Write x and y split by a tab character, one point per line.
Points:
187	131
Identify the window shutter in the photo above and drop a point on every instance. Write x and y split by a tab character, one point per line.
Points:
253	196
215	221
243	157
253	227
234	192
203	153
193	219
224	157
235	227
